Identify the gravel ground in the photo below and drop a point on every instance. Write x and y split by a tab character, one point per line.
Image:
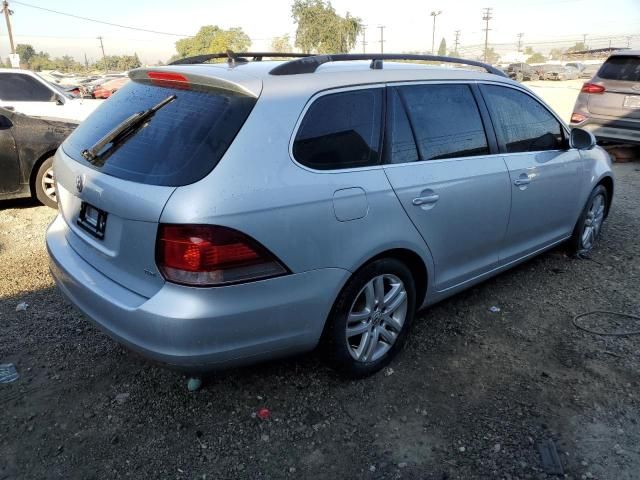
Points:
473	395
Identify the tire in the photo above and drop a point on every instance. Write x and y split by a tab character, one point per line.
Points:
353	353
589	225
519	77
44	184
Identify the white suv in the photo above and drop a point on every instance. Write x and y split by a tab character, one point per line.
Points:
26	92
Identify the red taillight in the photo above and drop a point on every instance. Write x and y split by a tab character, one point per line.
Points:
592	88
578	117
207	255
169	79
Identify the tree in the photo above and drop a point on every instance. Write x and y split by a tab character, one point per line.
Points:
537	57
578	47
213	39
442	49
281	44
321	29
25	51
528	51
491	56
556	54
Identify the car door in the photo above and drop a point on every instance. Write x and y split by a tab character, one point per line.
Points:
452	185
25	94
545	173
9	166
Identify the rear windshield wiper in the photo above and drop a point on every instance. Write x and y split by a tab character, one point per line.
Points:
124	129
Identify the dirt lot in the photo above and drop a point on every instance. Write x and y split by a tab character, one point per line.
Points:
472	396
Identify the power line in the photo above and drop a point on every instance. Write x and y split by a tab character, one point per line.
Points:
456	42
486	16
520	35
381	27
100	21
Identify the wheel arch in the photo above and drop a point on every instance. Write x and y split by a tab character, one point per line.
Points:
607	183
36	167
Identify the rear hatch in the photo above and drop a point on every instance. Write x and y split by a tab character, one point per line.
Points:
112	190
620	76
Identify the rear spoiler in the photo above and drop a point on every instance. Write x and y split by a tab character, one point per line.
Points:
221	78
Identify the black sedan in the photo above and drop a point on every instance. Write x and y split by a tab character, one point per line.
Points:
27	145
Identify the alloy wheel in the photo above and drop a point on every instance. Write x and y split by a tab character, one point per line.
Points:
48	184
593	222
376	318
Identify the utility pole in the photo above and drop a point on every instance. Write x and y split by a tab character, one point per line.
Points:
364	39
520	35
584	41
628	41
486	16
434	14
104	57
456	42
381	27
7	12
86	62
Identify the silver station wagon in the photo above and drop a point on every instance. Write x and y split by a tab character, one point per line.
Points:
213	215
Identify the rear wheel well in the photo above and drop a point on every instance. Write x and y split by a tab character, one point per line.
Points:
415	264
34	171
607	183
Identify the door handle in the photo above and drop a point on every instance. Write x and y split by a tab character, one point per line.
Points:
426	200
521	181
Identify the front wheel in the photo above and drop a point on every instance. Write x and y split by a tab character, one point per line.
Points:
45	188
589	225
371	317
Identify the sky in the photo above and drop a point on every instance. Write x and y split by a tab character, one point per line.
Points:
408	24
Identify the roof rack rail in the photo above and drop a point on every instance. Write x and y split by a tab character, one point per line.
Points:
234	58
309	64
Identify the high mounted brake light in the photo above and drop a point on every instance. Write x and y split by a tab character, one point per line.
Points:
210	255
169	79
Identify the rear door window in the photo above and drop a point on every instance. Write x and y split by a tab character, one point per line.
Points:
16	87
626	68
341	130
441	121
522	123
179	145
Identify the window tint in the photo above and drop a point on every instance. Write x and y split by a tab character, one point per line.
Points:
179	145
400	145
341	130
621	68
23	88
521	122
445	121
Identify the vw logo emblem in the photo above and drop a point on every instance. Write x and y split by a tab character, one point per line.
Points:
79	183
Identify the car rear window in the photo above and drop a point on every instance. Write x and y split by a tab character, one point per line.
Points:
180	144
625	68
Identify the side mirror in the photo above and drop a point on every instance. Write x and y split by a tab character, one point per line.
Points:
58	99
581	139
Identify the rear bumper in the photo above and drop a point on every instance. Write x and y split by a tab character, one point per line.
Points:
200	328
623	131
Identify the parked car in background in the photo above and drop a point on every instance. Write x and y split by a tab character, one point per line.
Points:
26	92
27	145
609	104
106	89
522	72
214	216
560	72
577	65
